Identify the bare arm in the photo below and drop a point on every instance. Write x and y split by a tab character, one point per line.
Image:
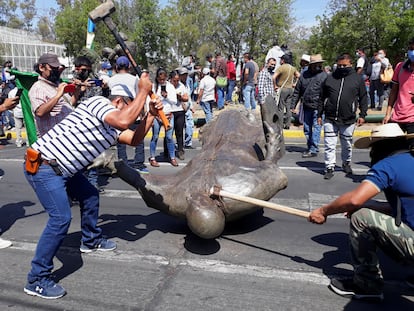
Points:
133	138
348	202
122	119
45	108
9	103
391	101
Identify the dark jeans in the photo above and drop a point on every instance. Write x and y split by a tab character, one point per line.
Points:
179	123
139	157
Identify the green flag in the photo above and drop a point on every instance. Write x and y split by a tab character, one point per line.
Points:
25	81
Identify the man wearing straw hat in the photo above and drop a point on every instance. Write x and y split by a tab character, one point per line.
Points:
389	226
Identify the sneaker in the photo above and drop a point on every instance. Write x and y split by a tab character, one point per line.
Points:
104	246
189	147
45	288
308	154
347	168
5	243
329	173
347	288
142	170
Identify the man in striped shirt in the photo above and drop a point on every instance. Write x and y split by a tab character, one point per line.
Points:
67	149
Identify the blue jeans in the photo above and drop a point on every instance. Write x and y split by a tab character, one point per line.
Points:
189	124
230	89
139	157
311	129
220	97
207	110
52	191
248	97
156	126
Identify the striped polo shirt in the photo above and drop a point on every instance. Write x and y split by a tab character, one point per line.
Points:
79	138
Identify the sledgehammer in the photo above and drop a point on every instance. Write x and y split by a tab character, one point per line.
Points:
103	12
217	191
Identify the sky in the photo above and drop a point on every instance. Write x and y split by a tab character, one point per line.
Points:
305	11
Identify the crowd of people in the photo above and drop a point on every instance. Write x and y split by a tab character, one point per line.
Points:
75	125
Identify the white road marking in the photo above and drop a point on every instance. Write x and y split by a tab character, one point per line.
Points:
207	265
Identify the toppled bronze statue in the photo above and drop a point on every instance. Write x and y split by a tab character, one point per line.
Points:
239	152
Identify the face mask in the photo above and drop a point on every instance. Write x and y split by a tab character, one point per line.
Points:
342	72
357	54
410	54
82	75
54	75
271	69
380	55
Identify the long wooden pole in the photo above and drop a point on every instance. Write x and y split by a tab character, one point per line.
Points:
274	206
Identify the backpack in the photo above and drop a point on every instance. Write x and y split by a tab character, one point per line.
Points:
367	66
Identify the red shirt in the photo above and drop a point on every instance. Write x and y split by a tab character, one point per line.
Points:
231	70
403	107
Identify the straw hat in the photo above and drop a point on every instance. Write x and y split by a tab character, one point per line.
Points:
317	58
384	131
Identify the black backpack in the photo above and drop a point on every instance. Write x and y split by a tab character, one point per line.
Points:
367	66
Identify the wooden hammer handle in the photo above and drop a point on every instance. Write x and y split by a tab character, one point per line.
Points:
161	114
267	204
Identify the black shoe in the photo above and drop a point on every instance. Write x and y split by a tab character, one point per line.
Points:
329	173
347	168
308	154
347	288
286	127
181	155
189	147
379	108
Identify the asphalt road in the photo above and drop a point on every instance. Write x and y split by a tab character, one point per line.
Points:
266	261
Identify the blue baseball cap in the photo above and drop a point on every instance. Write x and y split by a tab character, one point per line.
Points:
106	65
122	61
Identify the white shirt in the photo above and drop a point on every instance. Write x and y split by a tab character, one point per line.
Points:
124	84
181	90
208	85
171	100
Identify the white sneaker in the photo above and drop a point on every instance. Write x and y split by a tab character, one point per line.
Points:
5	243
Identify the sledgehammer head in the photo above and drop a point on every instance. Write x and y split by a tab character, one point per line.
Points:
102	11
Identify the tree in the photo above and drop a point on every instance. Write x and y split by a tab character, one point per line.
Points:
71	27
28	9
145	26
372	24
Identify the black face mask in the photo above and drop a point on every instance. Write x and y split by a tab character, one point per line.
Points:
82	75
271	69
54	75
342	72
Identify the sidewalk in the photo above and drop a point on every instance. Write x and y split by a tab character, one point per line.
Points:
295	131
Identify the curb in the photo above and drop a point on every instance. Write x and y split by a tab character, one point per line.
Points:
286	133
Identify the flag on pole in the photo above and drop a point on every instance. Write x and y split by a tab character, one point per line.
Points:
25	81
90	34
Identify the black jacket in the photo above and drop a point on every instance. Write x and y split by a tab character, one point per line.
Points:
344	95
309	88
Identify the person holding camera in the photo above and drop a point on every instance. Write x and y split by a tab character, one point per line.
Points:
166	91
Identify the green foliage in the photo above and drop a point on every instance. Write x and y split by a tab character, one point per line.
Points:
231	26
371	24
71	25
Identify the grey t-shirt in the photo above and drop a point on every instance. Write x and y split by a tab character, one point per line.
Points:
252	69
